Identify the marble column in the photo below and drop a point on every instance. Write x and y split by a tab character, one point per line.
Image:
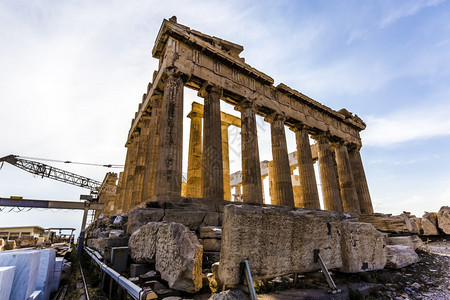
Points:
140	161
362	189
119	193
251	171
194	171
226	162
212	164
148	185
349	198
308	184
272	194
169	169
328	176
281	169
131	172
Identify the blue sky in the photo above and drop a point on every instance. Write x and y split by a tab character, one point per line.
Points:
73	72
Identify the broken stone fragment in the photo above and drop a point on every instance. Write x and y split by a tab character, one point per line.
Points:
211	232
211	244
230	295
399	256
115	233
443	219
429	224
176	251
363	247
388	223
410	240
189	218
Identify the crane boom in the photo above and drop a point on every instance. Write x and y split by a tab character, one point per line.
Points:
52	172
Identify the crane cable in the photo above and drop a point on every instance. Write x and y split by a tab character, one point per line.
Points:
71	162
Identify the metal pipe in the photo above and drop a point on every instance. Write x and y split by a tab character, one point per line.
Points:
132	289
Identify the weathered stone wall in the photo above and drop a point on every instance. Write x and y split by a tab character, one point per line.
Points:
277	241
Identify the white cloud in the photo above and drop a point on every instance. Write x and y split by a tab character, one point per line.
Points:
410	8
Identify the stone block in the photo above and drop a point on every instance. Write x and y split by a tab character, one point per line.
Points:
141	216
388	223
363	247
137	270
179	257
142	243
212	219
211	232
45	274
189	218
277	241
409	240
176	251
115	233
399	256
211	244
118	242
57	274
443	219
119	258
6	281
25	275
428	224
230	295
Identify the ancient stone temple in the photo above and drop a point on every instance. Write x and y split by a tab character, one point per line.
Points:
213	67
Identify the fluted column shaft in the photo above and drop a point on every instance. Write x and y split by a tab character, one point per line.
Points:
328	176
212	165
131	172
281	169
119	193
349	198
140	161
251	171
226	162
169	168
308	184
151	160
194	172
362	189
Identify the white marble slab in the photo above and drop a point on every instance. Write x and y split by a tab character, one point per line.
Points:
6	281
45	274
25	276
36	295
57	273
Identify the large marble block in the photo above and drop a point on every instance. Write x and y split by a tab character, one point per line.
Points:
46	271
57	274
277	241
25	276
6	281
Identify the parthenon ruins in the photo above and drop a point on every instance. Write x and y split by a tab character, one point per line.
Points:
213	67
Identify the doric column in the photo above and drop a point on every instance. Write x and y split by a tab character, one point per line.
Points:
226	162
251	171
328	176
308	184
140	161
119	193
273	195
349	198
169	169
148	186
212	165
281	170
362	189
194	171
131	171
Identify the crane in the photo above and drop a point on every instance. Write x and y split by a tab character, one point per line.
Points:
44	170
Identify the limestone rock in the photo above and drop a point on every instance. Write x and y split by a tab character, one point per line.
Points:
179	257
212	219
277	241
189	218
142	243
211	244
429	224
388	223
399	256
443	219
141	216
363	247
211	232
230	295
409	240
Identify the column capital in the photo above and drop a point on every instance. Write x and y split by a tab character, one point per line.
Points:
318	135
299	127
194	115
209	88
245	103
275	117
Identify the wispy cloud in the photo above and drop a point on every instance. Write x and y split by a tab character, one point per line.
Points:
409	8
